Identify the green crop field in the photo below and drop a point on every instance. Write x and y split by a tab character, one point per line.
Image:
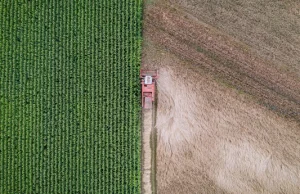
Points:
70	96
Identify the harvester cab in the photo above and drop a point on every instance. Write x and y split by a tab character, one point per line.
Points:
148	82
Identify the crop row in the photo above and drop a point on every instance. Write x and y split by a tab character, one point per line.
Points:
69	96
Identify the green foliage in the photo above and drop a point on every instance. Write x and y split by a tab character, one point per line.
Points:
69	96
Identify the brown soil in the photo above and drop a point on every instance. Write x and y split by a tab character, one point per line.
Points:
225	59
228	118
270	28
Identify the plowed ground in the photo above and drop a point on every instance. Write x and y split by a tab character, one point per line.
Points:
227	115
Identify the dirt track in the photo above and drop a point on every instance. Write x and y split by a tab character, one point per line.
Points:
227	119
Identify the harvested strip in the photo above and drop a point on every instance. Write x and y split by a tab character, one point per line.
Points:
147	129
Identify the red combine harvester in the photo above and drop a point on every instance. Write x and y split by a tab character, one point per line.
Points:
148	81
